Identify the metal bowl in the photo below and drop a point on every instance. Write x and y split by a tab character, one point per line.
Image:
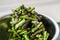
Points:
51	26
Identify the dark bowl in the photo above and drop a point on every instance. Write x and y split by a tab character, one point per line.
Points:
50	24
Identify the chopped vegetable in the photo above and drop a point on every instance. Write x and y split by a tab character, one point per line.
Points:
20	24
34	29
26	37
25	24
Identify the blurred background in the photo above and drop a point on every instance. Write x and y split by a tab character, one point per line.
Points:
48	7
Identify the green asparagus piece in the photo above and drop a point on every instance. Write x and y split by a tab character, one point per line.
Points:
23	32
18	31
46	35
10	30
26	37
20	24
39	36
29	18
34	29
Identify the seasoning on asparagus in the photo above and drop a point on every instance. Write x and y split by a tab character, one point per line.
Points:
25	24
38	31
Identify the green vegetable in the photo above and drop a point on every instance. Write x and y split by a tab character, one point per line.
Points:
34	29
26	17
18	31
26	37
3	24
46	35
20	24
39	36
31	9
23	24
10	30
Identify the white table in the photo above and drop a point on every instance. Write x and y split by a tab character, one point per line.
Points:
48	7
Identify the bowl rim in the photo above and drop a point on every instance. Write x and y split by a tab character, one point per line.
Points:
55	24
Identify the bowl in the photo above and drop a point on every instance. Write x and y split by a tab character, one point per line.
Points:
51	26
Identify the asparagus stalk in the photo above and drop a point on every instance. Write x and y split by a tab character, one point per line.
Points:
20	24
34	29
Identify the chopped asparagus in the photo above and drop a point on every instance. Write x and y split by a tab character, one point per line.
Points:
25	24
20	24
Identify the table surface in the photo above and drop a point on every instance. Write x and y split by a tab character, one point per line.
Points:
48	7
59	31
